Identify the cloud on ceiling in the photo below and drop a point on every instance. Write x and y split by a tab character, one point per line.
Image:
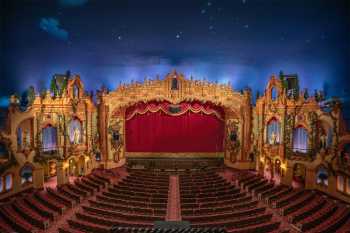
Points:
52	27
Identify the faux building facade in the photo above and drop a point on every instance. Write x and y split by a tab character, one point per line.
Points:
289	136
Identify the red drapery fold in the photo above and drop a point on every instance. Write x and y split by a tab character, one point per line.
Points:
186	127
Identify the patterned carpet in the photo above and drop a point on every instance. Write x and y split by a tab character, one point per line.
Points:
173	207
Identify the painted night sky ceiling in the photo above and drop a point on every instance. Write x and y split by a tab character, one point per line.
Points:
241	41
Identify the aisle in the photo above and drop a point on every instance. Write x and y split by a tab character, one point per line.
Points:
173	207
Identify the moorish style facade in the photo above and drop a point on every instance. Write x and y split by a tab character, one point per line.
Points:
289	136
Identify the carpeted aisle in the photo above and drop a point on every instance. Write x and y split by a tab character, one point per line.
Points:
174	207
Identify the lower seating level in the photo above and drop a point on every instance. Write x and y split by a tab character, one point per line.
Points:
210	200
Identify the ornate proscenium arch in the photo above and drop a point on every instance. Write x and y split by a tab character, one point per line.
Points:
174	89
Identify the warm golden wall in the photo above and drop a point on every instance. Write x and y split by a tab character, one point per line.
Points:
251	149
57	111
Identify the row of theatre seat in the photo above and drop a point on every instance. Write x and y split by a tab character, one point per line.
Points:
34	212
209	200
169	230
306	210
135	202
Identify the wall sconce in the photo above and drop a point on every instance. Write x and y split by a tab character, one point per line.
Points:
284	166
262	160
65	165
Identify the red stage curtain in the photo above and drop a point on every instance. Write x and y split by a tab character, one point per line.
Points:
200	129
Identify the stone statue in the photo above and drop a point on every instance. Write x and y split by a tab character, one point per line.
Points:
273	138
323	141
76	136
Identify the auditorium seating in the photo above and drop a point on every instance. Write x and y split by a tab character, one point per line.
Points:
208	200
138	200
15	220
34	212
171	230
306	210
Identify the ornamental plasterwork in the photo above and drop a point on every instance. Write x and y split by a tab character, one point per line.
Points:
150	90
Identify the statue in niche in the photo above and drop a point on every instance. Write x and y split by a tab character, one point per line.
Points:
323	141
232	141
273	138
76	136
116	138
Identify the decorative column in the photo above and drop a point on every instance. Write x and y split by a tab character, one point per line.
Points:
247	116
38	177
62	170
102	129
287	174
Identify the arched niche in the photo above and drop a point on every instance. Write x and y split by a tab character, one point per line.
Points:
26	174
72	167
300	140
345	155
273	132
299	174
174	84
81	166
322	175
274	94
75	131
4	153
24	134
75	88
49	138
76	91
274	89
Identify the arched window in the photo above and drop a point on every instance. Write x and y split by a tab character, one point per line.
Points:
322	176
75	91
174	84
273	132
274	94
8	182
19	138
26	174
3	152
299	172
49	138
75	131
98	156
300	140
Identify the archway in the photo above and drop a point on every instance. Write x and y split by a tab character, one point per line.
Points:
72	167
300	140
49	139
26	174
299	173
81	165
322	176
50	173
164	99
75	131
273	133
